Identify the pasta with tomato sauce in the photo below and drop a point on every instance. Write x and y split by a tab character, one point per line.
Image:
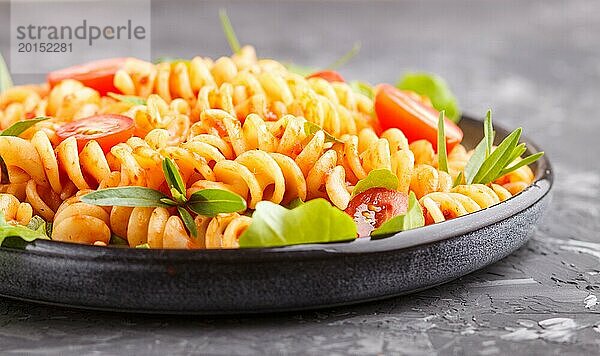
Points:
196	154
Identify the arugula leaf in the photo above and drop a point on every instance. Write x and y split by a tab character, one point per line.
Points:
5	78
174	180
363	88
22	232
234	44
126	196
494	164
19	127
315	221
143	246
435	88
458	180
346	57
117	240
524	162
188	221
441	144
412	219
210	202
382	178
311	128
131	99
474	163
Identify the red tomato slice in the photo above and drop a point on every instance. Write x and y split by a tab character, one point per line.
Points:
375	206
329	75
97	74
107	130
402	109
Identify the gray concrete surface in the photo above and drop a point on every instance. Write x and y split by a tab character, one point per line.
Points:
536	63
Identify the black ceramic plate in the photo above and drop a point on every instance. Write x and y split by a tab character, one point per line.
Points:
275	279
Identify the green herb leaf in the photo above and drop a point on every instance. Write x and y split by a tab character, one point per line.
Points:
383	178
441	144
488	133
188	221
125	196
210	202
19	231
524	162
311	128
234	44
131	99
295	203
5	78
493	165
174	179
363	88
458	180
435	88
117	240
143	246
412	219
37	223
168	201
475	162
315	221
19	127
346	57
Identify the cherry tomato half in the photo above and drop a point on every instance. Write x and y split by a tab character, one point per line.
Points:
401	109
96	75
107	130
329	75
375	206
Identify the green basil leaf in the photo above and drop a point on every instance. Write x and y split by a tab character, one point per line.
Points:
143	246
488	133
346	57
188	221
382	178
125	196
363	88
19	127
435	88
524	162
117	240
493	165
315	221
311	128
210	202
173	177
474	163
413	218
5	78
19	231
295	203
131	99
234	44
441	144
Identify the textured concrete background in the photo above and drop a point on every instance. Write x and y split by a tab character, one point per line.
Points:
535	63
